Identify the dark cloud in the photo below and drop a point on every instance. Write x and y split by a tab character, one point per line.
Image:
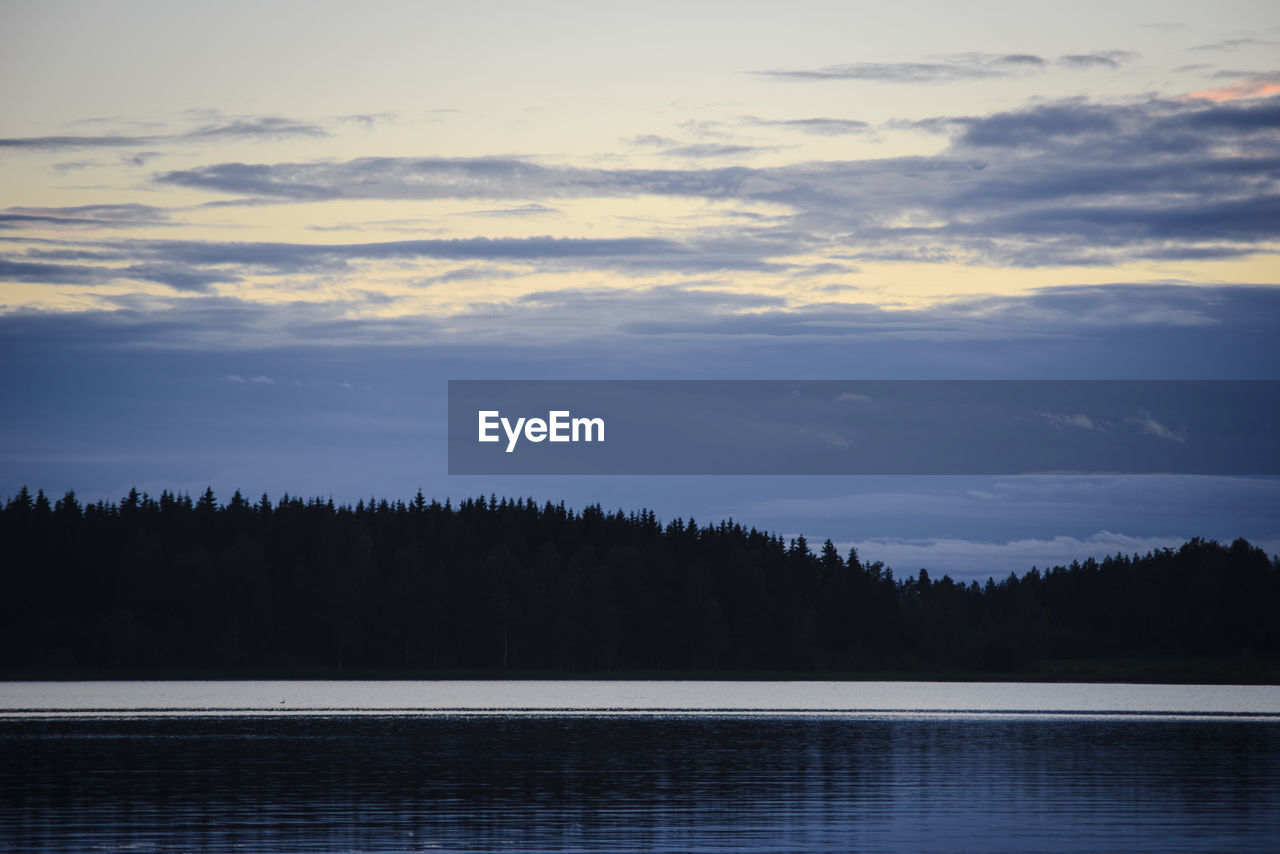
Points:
712	149
1065	182
387	177
15	220
259	127
905	72
1247	219
816	126
1249	118
70	252
50	143
917	255
827	268
1249	76
413	178
1143	320
1111	130
531	209
1235	44
195	265
1015	59
44	273
140	158
1038	125
1100	59
1080	182
75	165
177	276
1149	331
967	66
292	257
566	309
114	215
1194	253
262	127
369	120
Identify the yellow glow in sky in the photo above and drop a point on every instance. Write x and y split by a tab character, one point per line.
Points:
825	152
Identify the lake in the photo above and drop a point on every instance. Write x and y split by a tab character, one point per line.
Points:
637	766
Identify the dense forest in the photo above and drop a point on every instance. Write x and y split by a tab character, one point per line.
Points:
177	586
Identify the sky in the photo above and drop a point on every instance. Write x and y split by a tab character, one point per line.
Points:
246	245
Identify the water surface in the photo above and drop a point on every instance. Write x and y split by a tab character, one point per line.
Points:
577	767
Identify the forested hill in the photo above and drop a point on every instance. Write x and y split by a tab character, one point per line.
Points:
176	586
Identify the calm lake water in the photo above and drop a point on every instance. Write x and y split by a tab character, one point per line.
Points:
651	766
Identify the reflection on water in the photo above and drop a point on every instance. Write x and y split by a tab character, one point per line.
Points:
661	783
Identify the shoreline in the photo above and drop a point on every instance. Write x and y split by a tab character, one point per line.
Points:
1087	671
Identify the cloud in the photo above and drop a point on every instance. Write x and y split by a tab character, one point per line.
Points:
140	158
180	277
75	165
1060	419
1041	125
816	126
1069	182
1101	59
710	149
967	559
260	127
704	328
704	128
1234	44
245	128
1062	313
531	209
973	66
615	253
1016	59
652	140
127	215
1154	428
826	268
369	120
389	178
833	438
177	276
471	273
49	143
960	67
43	273
1255	85
197	265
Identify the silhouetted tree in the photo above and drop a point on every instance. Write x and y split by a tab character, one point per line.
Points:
498	584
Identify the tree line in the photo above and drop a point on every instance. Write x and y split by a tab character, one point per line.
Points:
177	585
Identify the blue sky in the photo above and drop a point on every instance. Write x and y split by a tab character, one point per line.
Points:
248	247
